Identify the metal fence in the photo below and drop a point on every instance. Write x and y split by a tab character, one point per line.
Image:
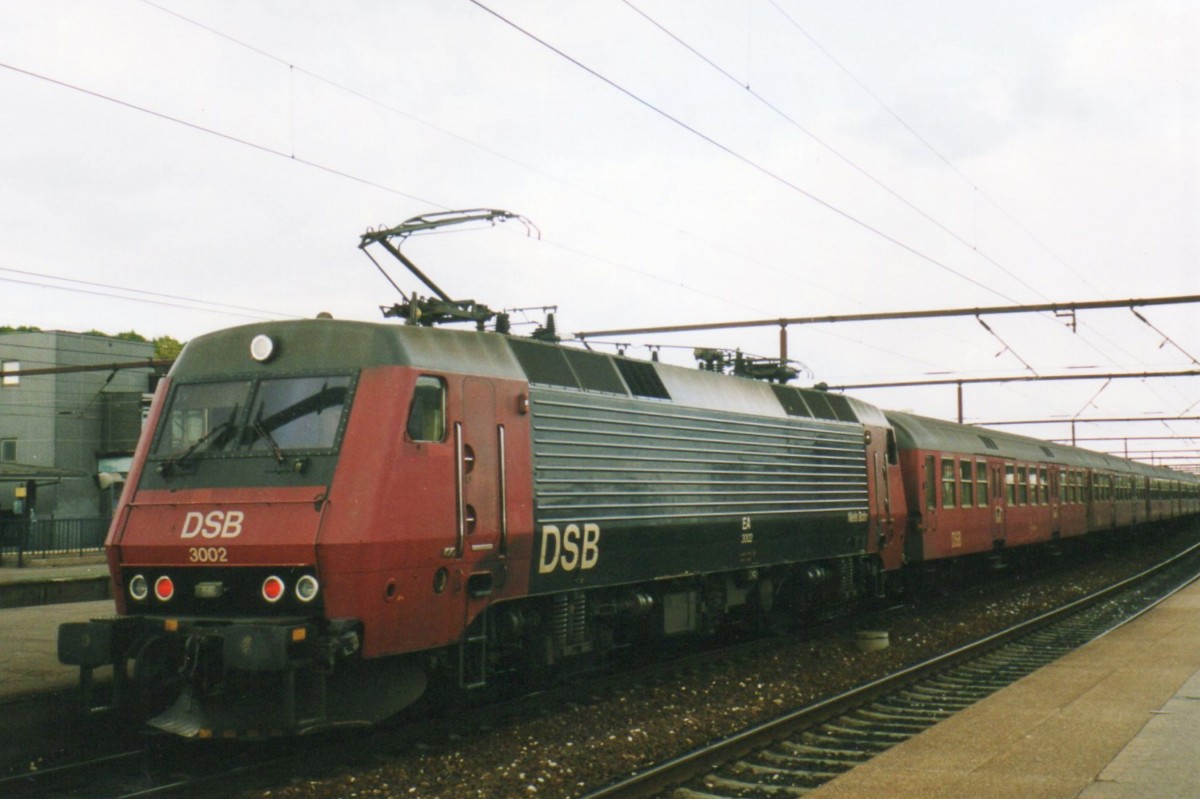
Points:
21	540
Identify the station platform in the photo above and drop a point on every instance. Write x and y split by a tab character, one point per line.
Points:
1117	719
48	582
29	655
33	601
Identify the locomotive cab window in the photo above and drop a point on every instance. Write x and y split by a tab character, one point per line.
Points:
202	416
245	417
296	413
427	416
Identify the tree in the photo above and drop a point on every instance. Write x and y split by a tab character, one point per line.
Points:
167	348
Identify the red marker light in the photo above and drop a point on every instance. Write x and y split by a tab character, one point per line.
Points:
273	589
164	588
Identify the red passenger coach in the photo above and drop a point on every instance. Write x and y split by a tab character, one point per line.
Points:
972	490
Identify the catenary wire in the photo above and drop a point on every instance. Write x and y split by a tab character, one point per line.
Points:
925	142
832	150
775	176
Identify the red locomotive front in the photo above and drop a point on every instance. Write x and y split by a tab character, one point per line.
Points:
308	497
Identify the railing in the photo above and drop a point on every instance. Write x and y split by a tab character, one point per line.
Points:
21	539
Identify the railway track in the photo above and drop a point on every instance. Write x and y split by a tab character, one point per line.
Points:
168	767
801	750
158	767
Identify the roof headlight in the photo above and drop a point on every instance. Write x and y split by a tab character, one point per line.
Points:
262	348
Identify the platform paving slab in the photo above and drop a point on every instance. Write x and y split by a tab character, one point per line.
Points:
29	646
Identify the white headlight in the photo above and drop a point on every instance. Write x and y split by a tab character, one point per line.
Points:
262	347
307	588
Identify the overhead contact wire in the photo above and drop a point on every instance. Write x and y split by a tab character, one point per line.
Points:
733	153
833	151
925	142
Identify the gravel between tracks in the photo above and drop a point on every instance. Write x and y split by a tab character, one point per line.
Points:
563	753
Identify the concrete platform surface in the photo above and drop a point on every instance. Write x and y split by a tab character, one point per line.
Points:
29	646
54	582
1116	719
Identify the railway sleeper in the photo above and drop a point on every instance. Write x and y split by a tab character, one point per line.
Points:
903	713
839	754
946	693
976	682
804	778
893	723
806	765
750	788
858	720
859	729
835	740
1013	668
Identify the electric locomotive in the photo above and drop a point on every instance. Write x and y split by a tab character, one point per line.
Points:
323	516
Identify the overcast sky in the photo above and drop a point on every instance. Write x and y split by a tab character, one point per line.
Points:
177	167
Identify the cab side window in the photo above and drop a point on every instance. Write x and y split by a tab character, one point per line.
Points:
427	416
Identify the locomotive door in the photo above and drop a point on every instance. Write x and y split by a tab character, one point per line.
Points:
479	442
480	505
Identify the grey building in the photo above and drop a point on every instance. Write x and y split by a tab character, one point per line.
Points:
64	428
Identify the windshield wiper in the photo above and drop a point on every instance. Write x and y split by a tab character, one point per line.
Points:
172	461
276	450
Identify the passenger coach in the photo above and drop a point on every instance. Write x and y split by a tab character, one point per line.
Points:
973	490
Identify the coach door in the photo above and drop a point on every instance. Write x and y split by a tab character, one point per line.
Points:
996	504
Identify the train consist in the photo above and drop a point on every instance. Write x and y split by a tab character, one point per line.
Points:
323	516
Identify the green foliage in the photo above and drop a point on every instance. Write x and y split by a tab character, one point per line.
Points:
167	348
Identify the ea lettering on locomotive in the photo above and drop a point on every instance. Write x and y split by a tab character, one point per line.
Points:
323	515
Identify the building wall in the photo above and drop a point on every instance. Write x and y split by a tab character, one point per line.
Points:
58	420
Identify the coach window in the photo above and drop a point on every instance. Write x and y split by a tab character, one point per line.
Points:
981	484
8	450
427	417
930	484
949	495
6	369
1010	484
966	478
1022	485
1044	485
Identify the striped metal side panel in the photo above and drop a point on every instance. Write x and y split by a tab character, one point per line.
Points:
601	459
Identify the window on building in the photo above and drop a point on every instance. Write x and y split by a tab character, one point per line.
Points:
6	369
8	450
